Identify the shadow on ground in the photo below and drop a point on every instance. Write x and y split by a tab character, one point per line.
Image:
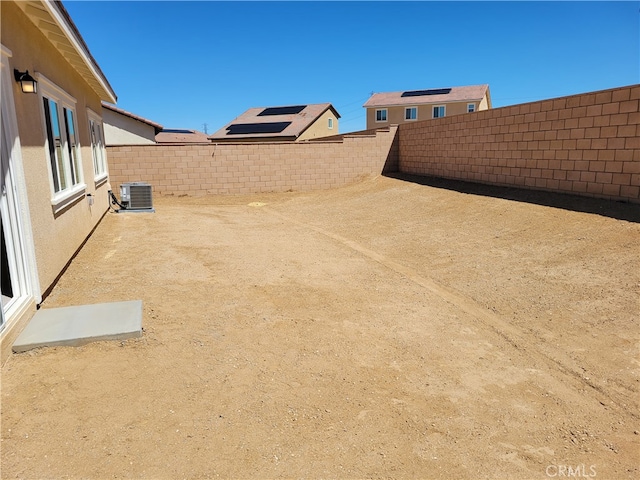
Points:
608	208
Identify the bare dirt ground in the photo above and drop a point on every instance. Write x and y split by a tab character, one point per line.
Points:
385	330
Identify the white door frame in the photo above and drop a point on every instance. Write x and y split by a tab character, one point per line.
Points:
14	204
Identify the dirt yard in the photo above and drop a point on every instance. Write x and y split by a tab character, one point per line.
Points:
385	330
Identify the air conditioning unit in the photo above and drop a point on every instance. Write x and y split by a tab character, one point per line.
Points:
136	196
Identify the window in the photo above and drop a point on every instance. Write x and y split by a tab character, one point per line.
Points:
331	124
411	113
381	115
62	143
438	111
471	107
97	147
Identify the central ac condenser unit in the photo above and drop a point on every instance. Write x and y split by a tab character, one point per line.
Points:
136	196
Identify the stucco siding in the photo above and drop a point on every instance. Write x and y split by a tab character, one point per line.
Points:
484	103
320	128
56	236
121	130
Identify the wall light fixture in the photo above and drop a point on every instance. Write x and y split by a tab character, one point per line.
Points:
28	84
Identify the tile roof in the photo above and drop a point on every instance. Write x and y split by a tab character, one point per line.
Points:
113	108
299	122
181	136
457	94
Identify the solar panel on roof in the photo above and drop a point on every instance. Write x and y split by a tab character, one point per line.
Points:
420	93
175	130
253	128
292	110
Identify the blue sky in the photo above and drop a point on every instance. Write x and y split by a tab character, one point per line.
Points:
184	64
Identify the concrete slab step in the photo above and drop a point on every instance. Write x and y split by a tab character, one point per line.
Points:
78	325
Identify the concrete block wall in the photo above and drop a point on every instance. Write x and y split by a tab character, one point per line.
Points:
586	144
205	169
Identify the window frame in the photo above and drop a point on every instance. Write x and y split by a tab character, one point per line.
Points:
330	124
386	115
98	149
411	109
69	147
444	111
471	107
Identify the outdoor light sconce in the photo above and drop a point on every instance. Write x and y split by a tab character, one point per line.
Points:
28	84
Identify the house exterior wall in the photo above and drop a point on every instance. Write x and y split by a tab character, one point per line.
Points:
585	144
56	236
252	168
320	128
484	104
396	114
122	130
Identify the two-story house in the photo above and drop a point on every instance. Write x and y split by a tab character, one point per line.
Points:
414	105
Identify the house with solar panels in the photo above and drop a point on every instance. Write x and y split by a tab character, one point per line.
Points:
294	123
414	105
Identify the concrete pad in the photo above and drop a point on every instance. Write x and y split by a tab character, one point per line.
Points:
74	326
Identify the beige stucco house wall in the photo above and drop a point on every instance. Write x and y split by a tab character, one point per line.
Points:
124	128
396	114
46	226
324	126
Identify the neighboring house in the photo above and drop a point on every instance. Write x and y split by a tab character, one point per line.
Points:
292	123
54	166
125	128
178	136
414	105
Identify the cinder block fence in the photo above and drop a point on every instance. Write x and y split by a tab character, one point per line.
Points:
203	169
586	144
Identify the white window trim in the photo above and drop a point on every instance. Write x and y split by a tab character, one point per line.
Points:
444	114
54	90
473	105
66	197
47	89
386	115
405	114
330	125
98	181
101	177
